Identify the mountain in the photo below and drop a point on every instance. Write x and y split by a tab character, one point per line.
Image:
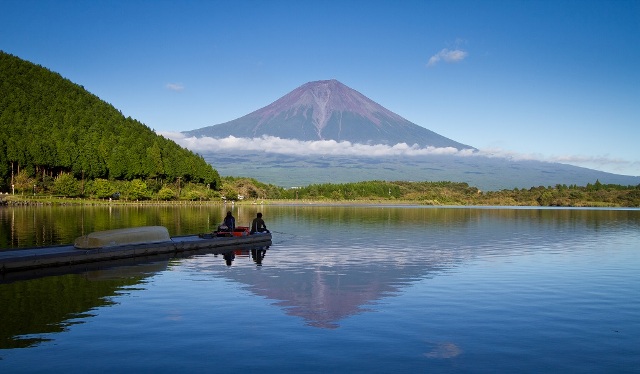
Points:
486	173
328	110
50	126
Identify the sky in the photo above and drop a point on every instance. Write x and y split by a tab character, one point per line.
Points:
547	80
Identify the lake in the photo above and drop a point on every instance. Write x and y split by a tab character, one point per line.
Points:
373	289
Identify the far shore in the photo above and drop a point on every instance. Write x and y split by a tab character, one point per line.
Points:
16	200
24	200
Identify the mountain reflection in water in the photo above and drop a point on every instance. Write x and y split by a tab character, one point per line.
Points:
323	293
336	261
326	263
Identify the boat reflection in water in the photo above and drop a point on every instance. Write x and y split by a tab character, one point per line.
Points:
257	254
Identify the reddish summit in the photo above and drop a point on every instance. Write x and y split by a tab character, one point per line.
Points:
328	110
325	98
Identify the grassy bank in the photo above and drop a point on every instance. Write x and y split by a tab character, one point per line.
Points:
445	201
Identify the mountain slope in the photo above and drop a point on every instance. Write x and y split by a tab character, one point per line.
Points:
488	174
328	110
50	125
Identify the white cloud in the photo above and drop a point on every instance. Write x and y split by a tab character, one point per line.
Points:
173	135
447	55
175	86
271	144
604	163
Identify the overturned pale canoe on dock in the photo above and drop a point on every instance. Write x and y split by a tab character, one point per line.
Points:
121	244
120	237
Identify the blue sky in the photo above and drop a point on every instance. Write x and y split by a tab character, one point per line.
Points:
549	80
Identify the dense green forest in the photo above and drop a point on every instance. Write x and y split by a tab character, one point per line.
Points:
454	193
51	128
436	193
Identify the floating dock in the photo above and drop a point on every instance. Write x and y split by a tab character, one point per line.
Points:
65	255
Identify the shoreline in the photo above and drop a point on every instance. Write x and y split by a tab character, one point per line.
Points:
55	201
13	200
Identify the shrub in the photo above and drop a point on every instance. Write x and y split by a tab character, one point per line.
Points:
166	193
137	190
66	185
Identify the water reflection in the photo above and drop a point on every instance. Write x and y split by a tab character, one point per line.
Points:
257	255
32	308
37	226
330	263
34	304
322	294
326	263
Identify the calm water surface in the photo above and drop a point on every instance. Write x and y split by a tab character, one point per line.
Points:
342	289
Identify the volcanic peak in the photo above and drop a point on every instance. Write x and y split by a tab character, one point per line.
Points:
328	110
324	98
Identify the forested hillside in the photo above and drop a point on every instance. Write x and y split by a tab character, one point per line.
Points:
452	193
51	127
436	193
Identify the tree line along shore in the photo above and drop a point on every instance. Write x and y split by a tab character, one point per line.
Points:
69	190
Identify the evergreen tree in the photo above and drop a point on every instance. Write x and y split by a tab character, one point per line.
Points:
50	126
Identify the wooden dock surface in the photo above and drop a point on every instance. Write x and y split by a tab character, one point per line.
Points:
65	255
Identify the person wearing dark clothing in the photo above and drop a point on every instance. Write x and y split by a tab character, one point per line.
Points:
229	222
257	225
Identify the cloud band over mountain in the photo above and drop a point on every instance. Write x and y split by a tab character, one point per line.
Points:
274	144
271	144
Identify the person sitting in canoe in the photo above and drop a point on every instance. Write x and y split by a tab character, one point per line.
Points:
257	225
229	223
